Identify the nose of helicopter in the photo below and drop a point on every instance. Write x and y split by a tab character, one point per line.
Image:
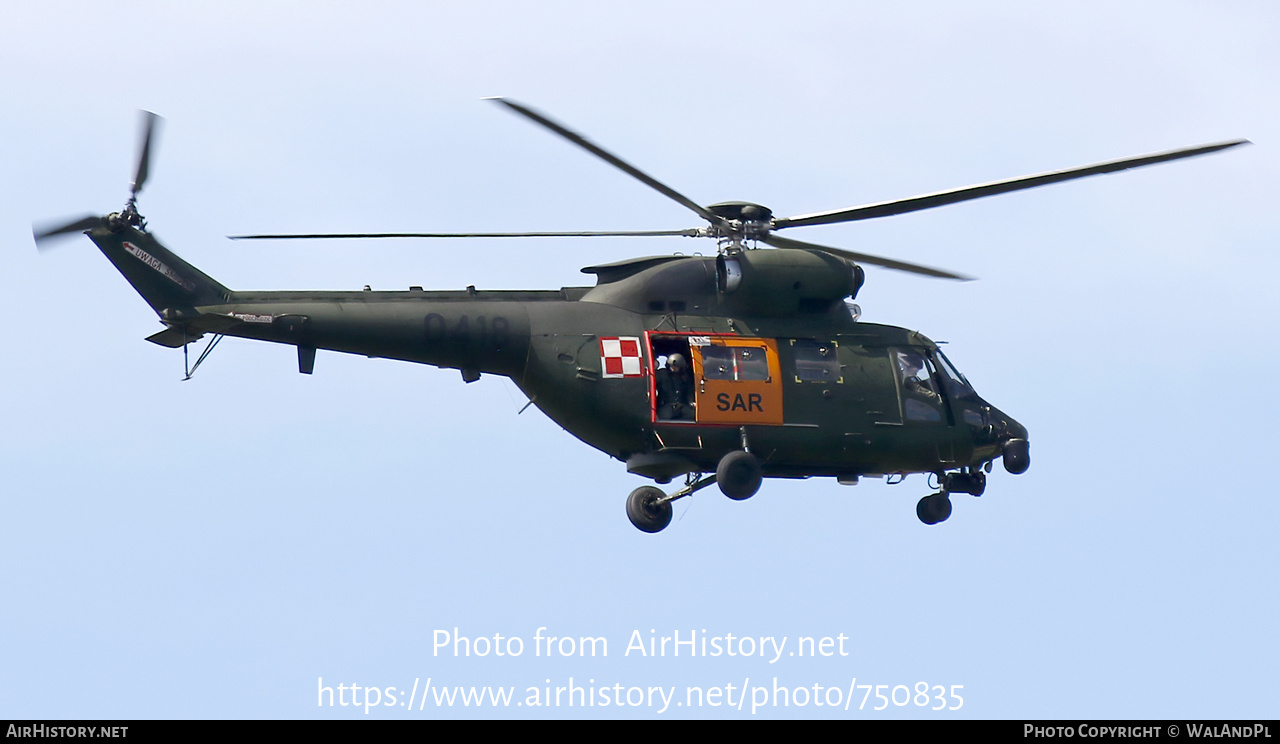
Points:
1016	450
1011	429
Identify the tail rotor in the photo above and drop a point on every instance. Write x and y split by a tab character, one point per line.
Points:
46	235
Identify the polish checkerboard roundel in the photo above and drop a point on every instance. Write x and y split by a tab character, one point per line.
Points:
620	357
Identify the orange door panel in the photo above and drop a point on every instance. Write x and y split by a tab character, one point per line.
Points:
738	381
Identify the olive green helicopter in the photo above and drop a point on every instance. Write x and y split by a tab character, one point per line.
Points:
722	369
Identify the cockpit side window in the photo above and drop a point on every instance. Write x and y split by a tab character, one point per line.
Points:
921	400
915	373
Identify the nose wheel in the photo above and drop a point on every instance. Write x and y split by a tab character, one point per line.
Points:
935	508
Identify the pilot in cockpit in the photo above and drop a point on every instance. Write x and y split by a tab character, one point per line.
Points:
910	364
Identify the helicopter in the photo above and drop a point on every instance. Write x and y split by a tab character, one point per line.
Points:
726	369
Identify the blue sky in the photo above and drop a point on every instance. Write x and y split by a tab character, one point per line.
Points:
229	545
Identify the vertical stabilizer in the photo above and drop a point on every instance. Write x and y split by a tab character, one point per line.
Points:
163	279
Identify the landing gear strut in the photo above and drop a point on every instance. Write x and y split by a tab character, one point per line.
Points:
936	507
649	509
738	475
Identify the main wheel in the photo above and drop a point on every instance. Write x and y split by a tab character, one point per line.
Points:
645	510
738	475
933	509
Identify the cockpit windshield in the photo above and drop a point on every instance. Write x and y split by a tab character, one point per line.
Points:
957	386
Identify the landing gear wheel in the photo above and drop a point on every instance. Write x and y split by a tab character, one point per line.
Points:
933	509
645	510
738	475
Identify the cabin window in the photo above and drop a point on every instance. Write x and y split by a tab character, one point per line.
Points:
816	361
735	363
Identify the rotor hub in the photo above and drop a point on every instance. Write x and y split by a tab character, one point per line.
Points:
745	221
744	212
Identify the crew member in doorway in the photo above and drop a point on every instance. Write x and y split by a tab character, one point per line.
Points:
675	390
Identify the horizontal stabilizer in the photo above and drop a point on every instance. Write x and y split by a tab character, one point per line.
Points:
216	323
174	338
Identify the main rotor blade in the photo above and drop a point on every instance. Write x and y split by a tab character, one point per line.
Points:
778	241
613	160
690	233
42	236
144	157
941	198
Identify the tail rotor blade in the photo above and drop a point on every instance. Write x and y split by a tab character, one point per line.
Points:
44	235
144	158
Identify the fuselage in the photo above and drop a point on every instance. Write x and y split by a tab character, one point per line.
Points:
777	363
